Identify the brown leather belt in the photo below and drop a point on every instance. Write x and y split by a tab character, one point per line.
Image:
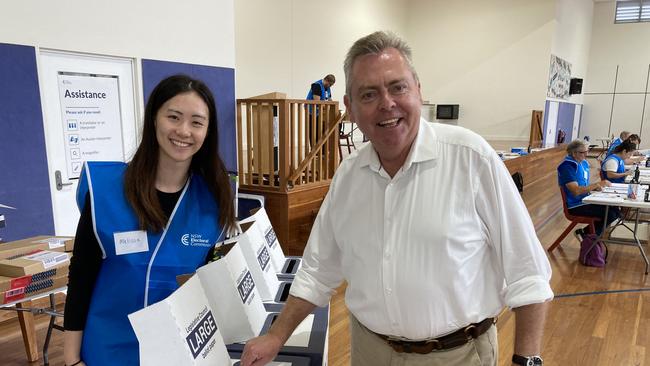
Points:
452	340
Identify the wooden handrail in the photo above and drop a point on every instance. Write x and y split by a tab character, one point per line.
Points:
334	127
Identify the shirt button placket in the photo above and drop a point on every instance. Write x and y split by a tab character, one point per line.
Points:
386	245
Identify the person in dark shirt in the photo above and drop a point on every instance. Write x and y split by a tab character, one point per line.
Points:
129	243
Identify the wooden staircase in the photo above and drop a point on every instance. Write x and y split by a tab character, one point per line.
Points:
288	152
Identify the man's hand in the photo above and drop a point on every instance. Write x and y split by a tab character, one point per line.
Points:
261	350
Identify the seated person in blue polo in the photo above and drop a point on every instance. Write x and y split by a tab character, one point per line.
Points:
573	178
613	167
129	244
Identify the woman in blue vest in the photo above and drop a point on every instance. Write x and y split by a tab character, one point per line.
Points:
573	178
145	222
613	167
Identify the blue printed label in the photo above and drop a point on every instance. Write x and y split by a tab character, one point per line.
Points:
246	286
198	337
263	257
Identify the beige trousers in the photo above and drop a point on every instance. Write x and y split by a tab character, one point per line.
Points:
369	350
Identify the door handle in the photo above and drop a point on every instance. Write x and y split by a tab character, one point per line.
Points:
59	182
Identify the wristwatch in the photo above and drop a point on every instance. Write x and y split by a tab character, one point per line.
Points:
527	360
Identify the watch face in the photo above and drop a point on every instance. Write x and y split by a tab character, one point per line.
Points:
535	361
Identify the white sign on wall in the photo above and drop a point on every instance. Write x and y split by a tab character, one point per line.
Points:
92	123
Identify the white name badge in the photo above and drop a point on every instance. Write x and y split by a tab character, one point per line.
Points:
129	242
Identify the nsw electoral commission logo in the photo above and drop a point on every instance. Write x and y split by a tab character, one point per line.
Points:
194	240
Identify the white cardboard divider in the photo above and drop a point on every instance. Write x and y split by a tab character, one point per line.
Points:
277	255
258	258
180	330
233	294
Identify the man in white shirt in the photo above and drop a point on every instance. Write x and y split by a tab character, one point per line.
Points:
428	230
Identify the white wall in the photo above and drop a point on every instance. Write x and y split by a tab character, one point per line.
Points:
491	57
572	37
285	45
200	33
628	47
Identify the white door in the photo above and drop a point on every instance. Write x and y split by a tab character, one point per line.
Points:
89	114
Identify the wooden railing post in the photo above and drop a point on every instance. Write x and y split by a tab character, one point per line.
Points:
285	144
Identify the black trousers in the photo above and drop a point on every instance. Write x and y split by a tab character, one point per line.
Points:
597	212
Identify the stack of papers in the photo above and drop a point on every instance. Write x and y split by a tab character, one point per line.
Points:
608	197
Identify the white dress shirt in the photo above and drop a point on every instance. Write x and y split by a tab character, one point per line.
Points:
446	242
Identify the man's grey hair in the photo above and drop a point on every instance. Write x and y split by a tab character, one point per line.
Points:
575	146
374	44
624	135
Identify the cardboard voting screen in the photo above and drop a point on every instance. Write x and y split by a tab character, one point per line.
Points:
258	258
266	229
233	294
180	330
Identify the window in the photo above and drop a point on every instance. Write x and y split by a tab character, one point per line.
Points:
632	11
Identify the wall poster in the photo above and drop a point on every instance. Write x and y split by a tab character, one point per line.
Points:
559	78
92	123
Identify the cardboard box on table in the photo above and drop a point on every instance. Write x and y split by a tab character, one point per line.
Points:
286	267
308	340
33	263
41	242
12	283
257	256
180	330
31	288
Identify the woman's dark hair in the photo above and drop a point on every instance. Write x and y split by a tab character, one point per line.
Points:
633	137
624	146
140	176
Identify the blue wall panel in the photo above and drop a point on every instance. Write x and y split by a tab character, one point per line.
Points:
565	115
24	181
221	82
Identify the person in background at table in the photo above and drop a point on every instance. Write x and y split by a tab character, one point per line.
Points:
573	177
175	185
637	155
617	141
428	229
613	168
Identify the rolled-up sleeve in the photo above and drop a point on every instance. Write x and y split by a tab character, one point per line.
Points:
520	255
320	273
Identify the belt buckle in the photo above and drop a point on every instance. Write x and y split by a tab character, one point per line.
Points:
470	331
436	344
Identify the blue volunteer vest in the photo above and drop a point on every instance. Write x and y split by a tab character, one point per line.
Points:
619	169
582	178
325	93
613	145
129	282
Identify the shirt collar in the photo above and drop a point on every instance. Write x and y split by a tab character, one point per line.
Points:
423	149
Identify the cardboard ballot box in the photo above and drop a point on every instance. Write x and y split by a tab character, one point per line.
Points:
308	340
277	255
41	242
289	269
283	292
32	263
258	259
233	294
180	330
279	360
